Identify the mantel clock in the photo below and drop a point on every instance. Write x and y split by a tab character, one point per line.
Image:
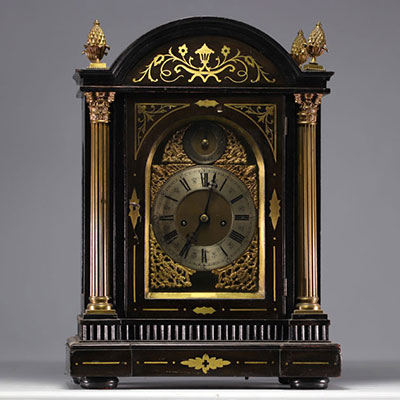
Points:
201	208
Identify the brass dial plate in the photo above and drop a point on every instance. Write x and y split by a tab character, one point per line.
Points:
204	217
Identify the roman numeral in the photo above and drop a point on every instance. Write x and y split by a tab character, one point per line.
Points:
237	199
204	179
170	237
241	217
203	255
185	250
222	249
238	237
223	183
184	183
170	198
166	218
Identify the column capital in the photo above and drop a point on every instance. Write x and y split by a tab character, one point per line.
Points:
99	106
309	104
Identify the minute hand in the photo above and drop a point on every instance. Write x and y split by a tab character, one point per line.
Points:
209	195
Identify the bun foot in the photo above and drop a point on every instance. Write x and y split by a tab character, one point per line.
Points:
98	382
309	383
284	381
76	380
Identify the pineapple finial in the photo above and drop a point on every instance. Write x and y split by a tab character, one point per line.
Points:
299	49
96	46
316	45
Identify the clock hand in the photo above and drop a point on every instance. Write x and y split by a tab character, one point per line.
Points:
192	236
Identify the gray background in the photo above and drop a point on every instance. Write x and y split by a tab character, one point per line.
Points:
40	160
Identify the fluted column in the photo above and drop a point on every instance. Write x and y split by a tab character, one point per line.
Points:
98	104
307	261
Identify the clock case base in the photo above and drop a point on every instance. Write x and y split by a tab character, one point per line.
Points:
295	350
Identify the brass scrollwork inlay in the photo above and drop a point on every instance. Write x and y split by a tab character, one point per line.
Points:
242	275
205	363
164	272
99	106
264	117
149	114
170	67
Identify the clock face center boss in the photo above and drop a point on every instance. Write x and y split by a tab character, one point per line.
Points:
204	217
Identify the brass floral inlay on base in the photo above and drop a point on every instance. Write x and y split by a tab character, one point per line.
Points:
274	209
205	363
204	64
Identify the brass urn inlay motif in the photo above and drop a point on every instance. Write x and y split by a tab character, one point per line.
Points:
204	64
205	363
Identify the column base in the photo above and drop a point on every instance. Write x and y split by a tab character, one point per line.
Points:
99	305
308	305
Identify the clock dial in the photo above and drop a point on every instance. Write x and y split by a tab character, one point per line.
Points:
204	217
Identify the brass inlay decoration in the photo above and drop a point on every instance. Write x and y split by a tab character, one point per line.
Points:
189	65
204	310
310	362
274	272
207	103
134	211
205	363
147	115
299	51
316	46
264	117
307	260
248	309
160	309
134	272
164	272
274	209
155	362
98	104
96	46
255	362
241	275
101	362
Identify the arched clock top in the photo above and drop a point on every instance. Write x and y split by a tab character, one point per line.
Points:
204	52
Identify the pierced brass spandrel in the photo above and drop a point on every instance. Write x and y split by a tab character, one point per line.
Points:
164	272
241	275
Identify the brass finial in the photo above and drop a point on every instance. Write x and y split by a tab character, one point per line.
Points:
299	49
316	45
96	46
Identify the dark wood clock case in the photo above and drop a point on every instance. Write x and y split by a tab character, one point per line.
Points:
143	314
